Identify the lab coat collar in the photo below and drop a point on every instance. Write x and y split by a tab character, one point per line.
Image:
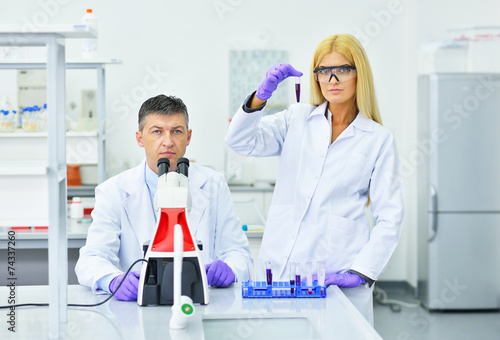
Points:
360	122
199	197
136	180
142	220
319	110
363	123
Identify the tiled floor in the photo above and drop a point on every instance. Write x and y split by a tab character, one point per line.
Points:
416	323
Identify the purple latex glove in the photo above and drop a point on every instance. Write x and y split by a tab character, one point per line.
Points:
347	280
275	75
128	289
219	274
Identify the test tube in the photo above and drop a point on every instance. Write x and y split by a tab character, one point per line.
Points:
297	278
321	275
309	277
269	273
250	274
292	277
297	89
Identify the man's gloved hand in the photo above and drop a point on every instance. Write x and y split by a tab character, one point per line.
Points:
219	274
275	75
128	289
347	280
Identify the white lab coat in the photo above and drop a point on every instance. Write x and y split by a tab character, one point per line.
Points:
317	211
124	219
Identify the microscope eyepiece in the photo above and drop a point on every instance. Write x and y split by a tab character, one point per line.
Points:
163	166
182	166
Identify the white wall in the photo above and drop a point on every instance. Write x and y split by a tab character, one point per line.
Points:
181	48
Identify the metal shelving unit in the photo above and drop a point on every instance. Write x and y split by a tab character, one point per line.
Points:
53	37
99	67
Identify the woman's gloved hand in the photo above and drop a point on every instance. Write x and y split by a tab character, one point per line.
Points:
128	289
219	274
347	280
275	75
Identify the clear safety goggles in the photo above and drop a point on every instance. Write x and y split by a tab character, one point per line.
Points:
339	73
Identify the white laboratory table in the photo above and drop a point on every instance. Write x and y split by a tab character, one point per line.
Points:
227	316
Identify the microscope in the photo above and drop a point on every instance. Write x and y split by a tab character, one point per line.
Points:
172	201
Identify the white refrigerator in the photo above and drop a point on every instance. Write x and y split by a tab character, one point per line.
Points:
458	171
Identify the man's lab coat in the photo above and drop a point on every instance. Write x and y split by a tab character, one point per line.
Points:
124	220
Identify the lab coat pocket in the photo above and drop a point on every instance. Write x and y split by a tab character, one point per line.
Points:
357	173
345	240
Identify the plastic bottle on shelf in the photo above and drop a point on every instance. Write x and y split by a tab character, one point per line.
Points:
5	121
42	121
15	120
89	46
29	119
76	208
6	115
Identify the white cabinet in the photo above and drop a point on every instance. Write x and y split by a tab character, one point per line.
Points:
259	196
252	206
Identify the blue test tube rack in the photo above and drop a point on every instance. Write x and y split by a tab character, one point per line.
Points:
281	289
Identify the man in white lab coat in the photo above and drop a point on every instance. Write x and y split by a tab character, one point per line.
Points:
335	156
124	218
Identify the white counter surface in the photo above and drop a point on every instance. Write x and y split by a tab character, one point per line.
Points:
227	316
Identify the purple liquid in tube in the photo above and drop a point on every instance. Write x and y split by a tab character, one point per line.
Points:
297	280
292	284
297	91
269	275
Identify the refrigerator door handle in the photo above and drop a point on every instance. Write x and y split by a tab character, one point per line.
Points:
432	213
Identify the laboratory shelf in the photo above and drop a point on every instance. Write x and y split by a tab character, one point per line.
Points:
38	134
77	229
250	188
82	147
96	64
81	191
254	234
70	64
63	30
22	168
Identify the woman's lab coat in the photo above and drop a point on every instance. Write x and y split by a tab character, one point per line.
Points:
124	220
317	212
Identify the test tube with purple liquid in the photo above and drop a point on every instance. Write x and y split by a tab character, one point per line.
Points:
269	274
297	89
309	277
297	278
292	277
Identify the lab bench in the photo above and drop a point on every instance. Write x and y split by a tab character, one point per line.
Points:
227	316
31	252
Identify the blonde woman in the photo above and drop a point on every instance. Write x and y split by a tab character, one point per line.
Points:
335	158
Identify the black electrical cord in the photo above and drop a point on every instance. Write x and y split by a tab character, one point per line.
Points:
79	305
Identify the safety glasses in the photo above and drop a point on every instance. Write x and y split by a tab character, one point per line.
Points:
340	73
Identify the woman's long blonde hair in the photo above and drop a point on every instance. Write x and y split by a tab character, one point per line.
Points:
352	50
